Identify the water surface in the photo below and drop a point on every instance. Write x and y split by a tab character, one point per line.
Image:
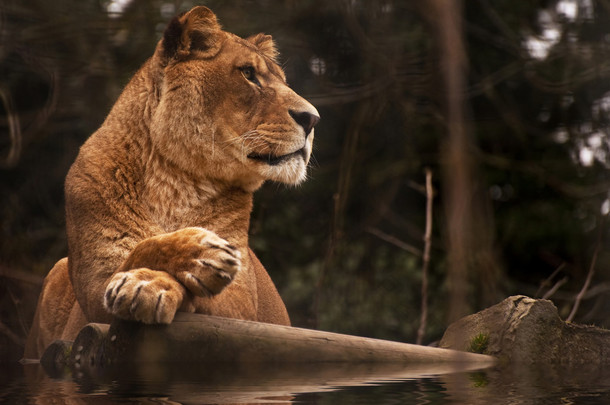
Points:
353	384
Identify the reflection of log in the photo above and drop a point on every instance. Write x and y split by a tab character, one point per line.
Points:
194	338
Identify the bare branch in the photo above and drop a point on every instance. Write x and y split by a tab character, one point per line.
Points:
554	289
585	287
426	259
395	241
14	130
546	282
569	189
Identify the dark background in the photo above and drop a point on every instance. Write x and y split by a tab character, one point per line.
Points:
505	103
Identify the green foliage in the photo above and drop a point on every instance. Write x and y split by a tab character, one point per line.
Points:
479	343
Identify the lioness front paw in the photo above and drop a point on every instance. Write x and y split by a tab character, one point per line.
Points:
203	262
198	258
144	295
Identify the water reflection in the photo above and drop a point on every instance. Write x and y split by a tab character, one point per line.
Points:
361	384
226	383
530	384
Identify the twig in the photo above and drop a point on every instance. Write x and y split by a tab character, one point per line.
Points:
554	289
395	241
426	259
14	130
548	280
596	290
585	287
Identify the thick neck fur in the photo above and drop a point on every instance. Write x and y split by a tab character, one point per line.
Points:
174	198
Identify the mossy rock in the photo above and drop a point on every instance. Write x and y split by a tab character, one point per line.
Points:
522	329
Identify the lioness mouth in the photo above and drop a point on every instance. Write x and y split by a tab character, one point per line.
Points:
273	160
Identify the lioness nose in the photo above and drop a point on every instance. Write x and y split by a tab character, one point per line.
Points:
305	119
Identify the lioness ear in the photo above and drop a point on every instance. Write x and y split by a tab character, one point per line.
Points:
197	29
265	44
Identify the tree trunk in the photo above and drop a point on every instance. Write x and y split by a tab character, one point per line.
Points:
470	255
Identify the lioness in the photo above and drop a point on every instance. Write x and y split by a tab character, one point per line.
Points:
158	200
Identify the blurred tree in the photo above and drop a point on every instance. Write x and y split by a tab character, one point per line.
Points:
471	262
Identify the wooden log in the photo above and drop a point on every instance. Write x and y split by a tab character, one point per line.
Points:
55	359
231	354
196	338
85	348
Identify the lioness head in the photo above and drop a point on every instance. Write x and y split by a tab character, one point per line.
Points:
224	109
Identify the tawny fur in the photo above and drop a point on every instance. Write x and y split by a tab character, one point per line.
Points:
158	200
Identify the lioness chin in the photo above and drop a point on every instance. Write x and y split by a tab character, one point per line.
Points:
158	200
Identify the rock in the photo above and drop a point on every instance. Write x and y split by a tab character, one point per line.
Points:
525	330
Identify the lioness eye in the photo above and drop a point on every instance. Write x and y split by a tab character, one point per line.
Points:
250	74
